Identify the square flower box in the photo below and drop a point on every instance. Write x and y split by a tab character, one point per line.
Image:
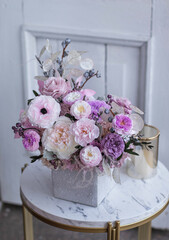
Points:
69	185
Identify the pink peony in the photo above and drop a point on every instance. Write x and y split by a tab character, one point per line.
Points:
80	109
59	139
90	156
43	111
122	124
85	131
56	87
31	140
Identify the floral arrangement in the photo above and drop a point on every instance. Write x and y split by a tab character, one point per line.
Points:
68	125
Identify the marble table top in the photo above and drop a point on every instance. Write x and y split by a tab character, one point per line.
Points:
132	201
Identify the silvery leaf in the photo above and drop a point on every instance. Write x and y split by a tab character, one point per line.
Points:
86	63
54	56
73	57
116	175
106	168
48	46
47	65
48	155
116	108
81	52
136	109
42	51
42	78
74	72
137	123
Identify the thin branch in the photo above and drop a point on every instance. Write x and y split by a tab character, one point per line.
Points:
112	112
87	79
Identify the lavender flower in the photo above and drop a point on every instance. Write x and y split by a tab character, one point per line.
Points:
113	145
31	140
95	107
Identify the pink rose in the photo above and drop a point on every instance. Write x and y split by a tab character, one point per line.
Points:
85	131
43	111
56	87
80	109
90	156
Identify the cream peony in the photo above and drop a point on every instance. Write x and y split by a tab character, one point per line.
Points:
59	139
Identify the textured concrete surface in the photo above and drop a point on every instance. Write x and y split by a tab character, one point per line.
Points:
11	228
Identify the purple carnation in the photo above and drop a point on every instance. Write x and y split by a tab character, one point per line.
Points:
113	145
96	105
31	140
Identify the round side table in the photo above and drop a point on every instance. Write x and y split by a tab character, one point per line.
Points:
134	203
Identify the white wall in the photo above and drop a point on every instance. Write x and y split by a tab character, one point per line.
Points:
159	101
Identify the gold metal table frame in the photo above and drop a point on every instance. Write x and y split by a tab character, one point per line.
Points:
113	232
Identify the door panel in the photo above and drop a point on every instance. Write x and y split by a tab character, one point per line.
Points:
123	72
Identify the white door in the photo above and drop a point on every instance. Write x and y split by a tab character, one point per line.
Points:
127	39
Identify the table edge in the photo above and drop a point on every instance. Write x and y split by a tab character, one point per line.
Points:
88	229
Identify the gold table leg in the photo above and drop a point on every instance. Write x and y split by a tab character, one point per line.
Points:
28	225
113	233
144	231
117	230
109	233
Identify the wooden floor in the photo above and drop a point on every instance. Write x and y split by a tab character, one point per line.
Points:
11	228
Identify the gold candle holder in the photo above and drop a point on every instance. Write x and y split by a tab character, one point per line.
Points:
145	165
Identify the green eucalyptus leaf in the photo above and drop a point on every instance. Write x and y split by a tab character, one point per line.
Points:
130	151
34	158
29	101
35	93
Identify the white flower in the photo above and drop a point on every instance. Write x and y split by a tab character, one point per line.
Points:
80	109
72	97
59	139
90	156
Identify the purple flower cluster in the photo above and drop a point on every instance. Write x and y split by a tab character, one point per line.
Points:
113	145
96	105
31	140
